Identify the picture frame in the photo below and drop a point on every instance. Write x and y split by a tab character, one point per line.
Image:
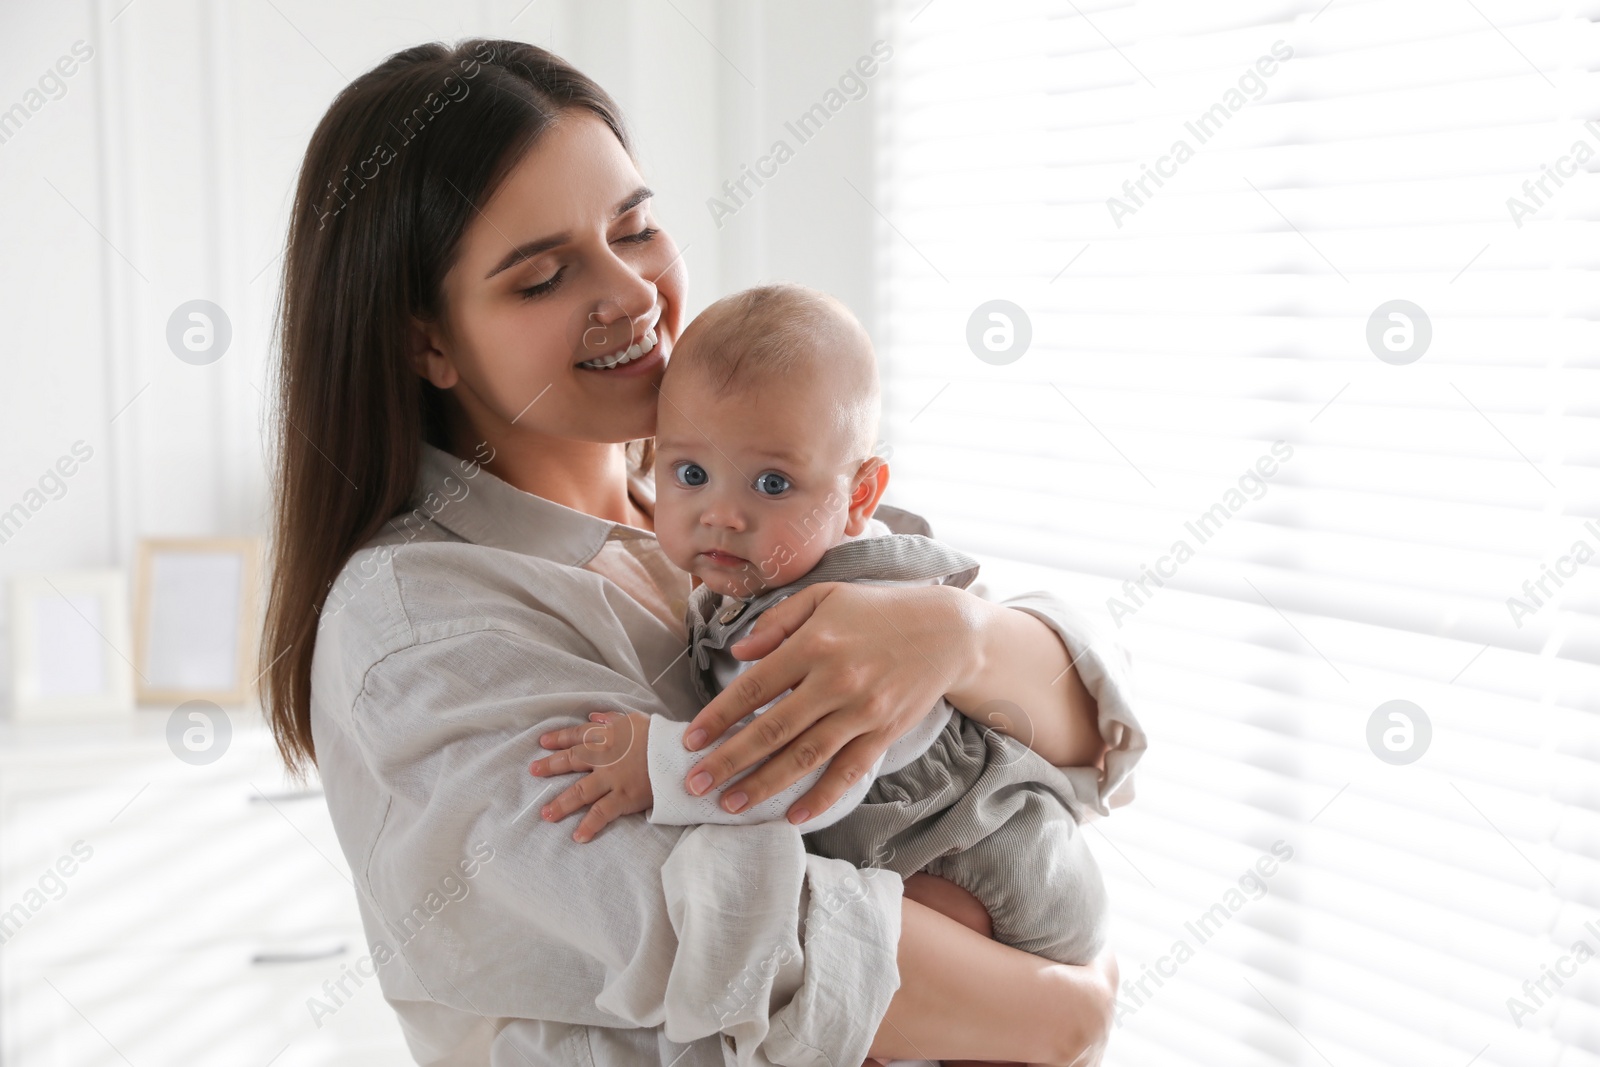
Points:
69	645
195	619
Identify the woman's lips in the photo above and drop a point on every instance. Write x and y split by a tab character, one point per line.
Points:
643	365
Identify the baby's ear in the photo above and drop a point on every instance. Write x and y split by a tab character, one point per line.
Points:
871	479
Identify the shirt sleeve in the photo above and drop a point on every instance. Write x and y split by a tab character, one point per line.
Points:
700	931
1103	665
674	805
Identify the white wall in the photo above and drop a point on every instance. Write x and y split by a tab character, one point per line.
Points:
164	170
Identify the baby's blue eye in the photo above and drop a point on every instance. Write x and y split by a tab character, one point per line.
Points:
691	474
772	483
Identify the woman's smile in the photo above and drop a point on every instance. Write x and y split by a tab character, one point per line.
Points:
641	357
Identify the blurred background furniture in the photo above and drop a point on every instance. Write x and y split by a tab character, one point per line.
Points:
165	912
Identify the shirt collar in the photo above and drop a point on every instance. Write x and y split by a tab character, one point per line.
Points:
464	498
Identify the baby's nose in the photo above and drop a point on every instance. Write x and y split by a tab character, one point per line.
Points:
722	517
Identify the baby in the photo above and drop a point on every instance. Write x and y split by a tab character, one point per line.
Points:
767	482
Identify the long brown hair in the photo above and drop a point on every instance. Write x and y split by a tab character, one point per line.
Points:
405	156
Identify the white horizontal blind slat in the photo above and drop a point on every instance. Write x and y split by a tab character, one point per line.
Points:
1228	311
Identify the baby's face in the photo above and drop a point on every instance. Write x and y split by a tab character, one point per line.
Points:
753	487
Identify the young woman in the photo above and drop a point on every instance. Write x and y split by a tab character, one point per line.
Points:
463	562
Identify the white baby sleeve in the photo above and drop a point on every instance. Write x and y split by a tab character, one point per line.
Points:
676	806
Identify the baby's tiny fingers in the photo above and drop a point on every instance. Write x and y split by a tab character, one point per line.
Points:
596	819
564	762
565	737
582	792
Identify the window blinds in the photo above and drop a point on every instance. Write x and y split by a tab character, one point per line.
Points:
1308	419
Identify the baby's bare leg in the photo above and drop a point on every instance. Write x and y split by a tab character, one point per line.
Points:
944	896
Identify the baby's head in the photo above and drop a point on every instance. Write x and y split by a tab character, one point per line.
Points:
764	438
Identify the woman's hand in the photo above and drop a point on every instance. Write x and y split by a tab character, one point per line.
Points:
866	663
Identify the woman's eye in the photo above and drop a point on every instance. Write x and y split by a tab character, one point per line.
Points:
691	474
639	238
772	484
550	284
545	286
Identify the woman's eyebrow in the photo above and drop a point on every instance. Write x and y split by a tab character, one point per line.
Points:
529	249
633	200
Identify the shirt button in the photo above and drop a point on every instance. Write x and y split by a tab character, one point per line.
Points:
731	612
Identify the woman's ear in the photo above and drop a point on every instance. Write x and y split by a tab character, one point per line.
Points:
872	478
428	356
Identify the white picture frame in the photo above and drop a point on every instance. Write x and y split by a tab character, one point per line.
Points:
195	622
70	645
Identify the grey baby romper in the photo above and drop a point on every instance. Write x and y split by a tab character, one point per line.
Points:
978	807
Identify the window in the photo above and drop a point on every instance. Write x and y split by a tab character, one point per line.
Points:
1295	389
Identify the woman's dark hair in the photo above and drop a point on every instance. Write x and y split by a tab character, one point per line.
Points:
396	169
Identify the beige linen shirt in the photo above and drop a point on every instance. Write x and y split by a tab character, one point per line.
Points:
485	617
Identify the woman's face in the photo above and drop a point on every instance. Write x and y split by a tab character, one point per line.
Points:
563	271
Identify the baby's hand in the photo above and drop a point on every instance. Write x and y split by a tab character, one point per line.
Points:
613	747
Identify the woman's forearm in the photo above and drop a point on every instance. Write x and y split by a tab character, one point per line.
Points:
964	996
1022	683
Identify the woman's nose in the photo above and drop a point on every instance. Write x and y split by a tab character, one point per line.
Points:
628	294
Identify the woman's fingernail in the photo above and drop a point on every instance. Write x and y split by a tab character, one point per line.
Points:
700	783
799	815
736	801
695	738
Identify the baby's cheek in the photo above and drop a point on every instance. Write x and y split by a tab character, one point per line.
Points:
788	563
669	536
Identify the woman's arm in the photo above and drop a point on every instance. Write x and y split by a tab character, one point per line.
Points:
866	662
963	996
428	702
1022	683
